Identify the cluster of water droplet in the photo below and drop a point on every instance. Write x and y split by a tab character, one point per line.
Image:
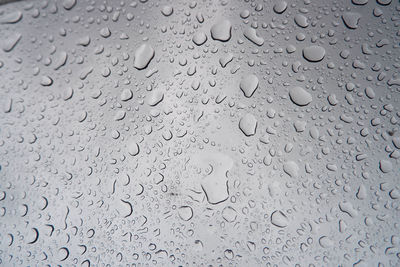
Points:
200	133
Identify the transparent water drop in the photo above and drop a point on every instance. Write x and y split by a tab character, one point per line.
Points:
314	53
143	55
299	96
221	30
248	124
279	219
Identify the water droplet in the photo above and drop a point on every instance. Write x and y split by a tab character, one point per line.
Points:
185	213
314	53
351	19
69	4
251	34
249	84
199	38
143	55
301	20
279	219
385	166
167	11
280	7
221	30
133	148
291	168
299	96
248	124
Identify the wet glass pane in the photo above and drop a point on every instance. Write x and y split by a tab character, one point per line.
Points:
200	133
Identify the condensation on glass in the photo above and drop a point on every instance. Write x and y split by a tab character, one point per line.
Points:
200	133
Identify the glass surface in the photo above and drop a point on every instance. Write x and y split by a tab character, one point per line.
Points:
200	133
